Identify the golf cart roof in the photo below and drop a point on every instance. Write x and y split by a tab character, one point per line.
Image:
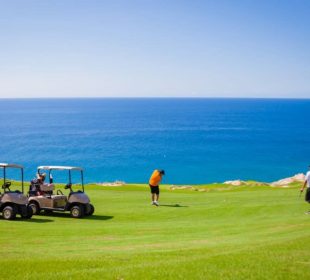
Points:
55	167
4	165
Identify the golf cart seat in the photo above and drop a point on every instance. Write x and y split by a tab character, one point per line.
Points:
47	187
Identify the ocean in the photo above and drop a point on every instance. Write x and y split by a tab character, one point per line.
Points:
195	141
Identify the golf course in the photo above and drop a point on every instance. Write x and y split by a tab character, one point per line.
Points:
207	232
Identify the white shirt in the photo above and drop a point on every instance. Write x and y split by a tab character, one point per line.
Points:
307	178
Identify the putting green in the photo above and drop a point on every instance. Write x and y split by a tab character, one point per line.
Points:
233	233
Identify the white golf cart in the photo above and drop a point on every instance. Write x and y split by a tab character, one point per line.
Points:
77	202
13	202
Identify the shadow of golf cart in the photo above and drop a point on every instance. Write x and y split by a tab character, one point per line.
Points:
76	202
13	202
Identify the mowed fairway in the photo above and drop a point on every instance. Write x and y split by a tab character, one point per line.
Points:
247	233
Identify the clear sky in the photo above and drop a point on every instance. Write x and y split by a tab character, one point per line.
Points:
155	48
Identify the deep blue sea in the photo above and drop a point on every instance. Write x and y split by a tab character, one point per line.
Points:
193	140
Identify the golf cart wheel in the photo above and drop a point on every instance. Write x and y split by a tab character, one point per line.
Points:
9	212
26	212
30	212
90	209
35	208
77	211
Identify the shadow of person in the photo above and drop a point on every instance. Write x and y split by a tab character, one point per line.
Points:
173	205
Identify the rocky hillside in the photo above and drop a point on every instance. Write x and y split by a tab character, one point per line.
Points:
280	183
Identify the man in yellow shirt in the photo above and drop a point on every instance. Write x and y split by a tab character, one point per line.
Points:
154	181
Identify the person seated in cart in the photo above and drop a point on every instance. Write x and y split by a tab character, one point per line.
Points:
38	186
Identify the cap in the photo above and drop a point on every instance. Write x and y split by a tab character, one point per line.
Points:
162	172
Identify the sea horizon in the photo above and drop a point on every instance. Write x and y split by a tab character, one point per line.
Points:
196	140
150	97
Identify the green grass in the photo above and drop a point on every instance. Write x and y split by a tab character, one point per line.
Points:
239	233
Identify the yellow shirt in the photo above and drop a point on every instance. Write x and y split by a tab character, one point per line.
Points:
155	178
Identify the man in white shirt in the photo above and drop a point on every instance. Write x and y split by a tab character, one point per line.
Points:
307	183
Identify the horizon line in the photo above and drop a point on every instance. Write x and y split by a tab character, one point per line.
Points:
150	97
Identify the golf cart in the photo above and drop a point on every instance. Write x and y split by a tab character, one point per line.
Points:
13	202
77	202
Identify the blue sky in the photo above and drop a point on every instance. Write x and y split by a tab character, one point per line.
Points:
145	48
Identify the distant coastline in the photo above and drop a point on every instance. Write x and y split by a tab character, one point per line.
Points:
282	183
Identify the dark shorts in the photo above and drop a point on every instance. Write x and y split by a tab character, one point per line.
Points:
307	196
154	189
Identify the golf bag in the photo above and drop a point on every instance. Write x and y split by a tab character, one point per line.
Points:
34	187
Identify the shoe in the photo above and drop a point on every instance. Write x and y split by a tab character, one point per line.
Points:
153	203
156	203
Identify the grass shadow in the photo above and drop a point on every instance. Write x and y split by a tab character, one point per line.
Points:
173	205
98	217
67	215
34	220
